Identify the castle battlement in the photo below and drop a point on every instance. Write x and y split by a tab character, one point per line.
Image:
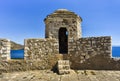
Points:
63	41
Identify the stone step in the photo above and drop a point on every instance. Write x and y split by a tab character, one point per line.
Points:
62	72
63	62
63	67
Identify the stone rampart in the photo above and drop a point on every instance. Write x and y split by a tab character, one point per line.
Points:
4	49
84	53
90	53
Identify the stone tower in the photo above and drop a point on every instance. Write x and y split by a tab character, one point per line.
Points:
65	26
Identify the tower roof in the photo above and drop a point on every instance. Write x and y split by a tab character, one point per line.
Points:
62	10
63	13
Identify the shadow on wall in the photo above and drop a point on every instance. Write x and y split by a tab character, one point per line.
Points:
96	63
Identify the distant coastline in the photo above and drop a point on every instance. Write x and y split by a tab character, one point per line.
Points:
15	46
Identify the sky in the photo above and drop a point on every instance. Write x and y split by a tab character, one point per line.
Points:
23	19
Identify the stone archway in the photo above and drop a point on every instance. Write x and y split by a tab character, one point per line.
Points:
63	41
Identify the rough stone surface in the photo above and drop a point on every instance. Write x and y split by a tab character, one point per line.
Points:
40	49
26	65
4	49
63	67
47	75
83	50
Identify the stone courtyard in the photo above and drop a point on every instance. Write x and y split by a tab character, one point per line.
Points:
47	75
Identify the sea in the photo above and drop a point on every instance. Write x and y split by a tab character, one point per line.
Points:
19	54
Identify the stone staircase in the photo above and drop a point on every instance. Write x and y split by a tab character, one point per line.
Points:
63	67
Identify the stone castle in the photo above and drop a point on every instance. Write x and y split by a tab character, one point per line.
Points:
63	41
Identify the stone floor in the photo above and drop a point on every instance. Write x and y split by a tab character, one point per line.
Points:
46	75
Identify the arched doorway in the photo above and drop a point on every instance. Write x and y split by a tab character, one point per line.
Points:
63	41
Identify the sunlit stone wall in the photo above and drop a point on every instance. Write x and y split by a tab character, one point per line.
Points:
4	49
40	49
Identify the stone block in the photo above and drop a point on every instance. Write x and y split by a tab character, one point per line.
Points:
4	49
63	67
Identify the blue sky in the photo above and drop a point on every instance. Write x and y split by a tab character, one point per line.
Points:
21	19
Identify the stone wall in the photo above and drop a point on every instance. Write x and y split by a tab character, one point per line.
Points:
40	49
4	49
83	50
40	54
84	53
25	65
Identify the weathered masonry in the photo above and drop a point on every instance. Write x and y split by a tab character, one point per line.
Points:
63	41
63	36
4	49
62	28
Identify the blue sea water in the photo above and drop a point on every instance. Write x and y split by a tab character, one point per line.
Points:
19	54
116	51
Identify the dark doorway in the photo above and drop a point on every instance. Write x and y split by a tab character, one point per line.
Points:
63	41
